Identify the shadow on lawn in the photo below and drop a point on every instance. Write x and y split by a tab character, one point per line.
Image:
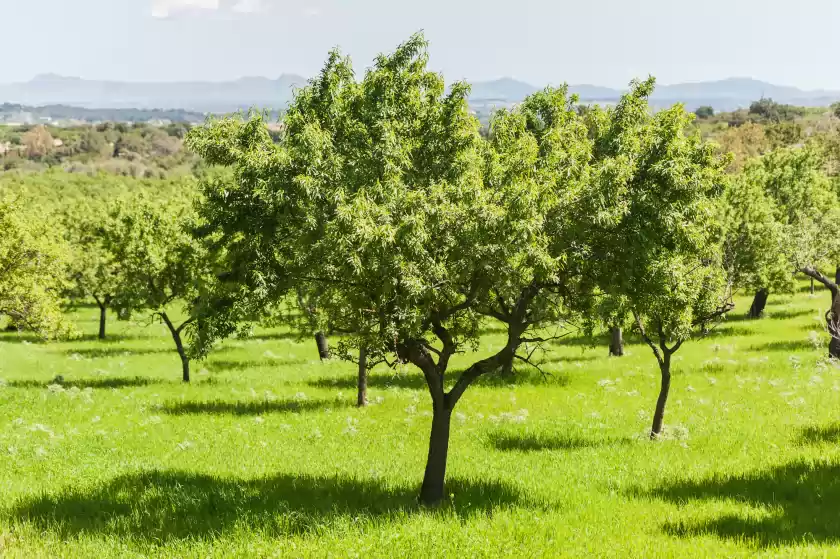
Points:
116	351
87	383
245	364
785	345
159	506
415	381
524	442
257	407
797	502
816	435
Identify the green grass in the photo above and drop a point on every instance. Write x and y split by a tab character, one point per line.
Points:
265	455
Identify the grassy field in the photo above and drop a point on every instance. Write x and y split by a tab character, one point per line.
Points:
265	455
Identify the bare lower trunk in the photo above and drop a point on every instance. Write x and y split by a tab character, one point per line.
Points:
179	345
432	492
759	303
616	342
102	316
836	275
323	345
832	319
361	400
812	286
664	388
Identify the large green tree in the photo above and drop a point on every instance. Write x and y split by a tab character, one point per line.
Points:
381	194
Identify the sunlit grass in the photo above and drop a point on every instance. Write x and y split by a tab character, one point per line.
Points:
264	453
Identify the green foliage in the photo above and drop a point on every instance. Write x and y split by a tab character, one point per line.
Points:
767	110
705	112
806	205
32	272
159	259
657	241
753	237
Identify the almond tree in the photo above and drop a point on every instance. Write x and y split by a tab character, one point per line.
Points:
376	194
162	263
32	272
656	242
808	213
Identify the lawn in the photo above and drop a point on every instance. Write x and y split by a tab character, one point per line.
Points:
264	453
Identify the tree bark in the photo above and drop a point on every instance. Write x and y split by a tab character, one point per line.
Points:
102	316
432	491
361	400
832	318
616	342
836	275
664	389
179	345
759	303
323	345
812	286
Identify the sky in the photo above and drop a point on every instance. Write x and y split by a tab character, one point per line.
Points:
602	42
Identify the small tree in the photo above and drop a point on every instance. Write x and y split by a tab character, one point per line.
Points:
705	112
835	109
161	261
656	240
808	213
751	240
94	270
32	273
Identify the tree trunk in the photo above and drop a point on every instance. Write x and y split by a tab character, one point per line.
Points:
836	275
179	345
759	302
323	345
432	492
361	400
664	388
832	318
812	286
617	342
102	316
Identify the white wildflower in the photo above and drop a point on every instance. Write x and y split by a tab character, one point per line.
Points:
300	396
185	445
259	419
55	388
96	419
690	388
411	409
460	417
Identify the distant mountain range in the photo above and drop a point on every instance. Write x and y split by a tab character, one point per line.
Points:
266	93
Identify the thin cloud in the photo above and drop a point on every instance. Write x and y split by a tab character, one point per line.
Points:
167	8
163	9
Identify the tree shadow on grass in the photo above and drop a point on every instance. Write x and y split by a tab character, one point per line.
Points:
116	351
785	314
245	364
527	442
796	502
824	434
256	407
786	345
417	382
87	383
155	506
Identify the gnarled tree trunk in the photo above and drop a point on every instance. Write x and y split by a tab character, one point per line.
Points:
323	345
832	316
179	345
616	342
664	389
759	303
361	400
432	491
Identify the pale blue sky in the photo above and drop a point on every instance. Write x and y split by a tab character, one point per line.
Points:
605	42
